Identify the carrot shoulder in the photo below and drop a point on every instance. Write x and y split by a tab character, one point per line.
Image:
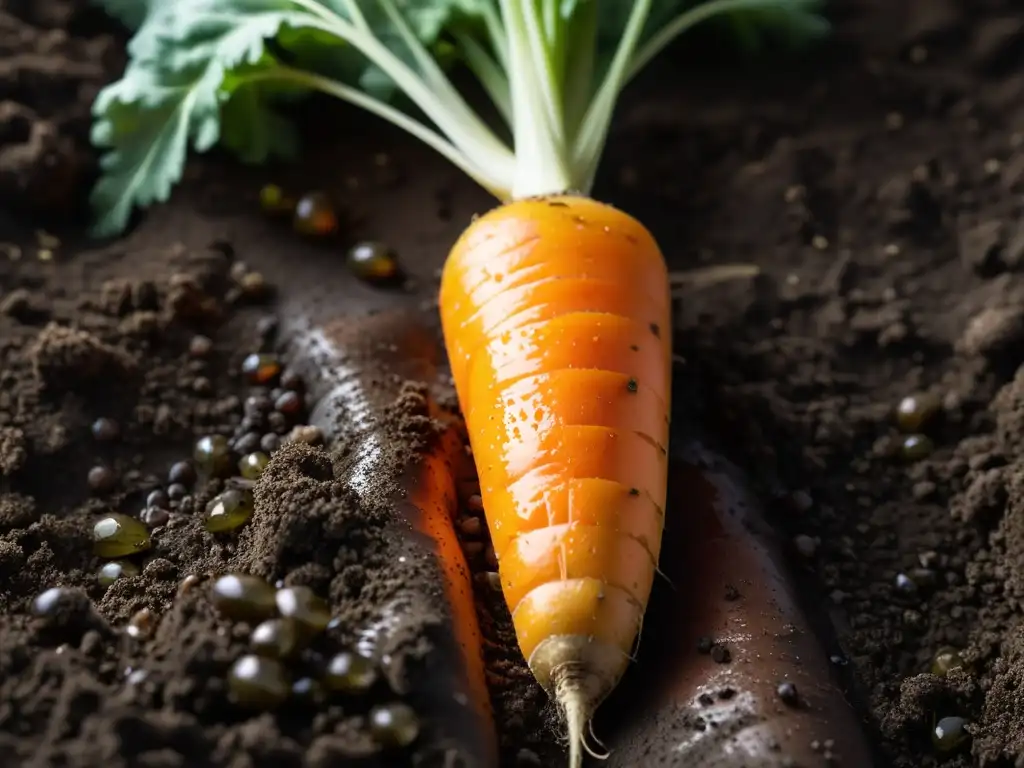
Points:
556	314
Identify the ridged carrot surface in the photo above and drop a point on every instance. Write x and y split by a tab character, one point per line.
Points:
556	318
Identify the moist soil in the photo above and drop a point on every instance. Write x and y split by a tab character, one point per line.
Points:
877	191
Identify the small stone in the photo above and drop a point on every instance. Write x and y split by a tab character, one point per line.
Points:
114	570
905	584
289	403
200	346
306	433
247	443
720	654
182	473
116	536
102	479
105	430
261	368
805	545
154	517
157	498
141	625
993	331
787	692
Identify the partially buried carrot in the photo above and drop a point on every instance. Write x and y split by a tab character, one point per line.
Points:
556	315
555	308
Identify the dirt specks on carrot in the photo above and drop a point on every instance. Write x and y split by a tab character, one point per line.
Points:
632	385
656	330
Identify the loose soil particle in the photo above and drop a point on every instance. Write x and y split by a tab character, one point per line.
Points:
878	191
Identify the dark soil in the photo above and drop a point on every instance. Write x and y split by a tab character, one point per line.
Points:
878	190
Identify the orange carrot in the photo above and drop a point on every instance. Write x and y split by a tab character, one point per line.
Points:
555	308
556	317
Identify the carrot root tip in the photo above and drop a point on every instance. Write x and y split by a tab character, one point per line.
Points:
578	672
578	706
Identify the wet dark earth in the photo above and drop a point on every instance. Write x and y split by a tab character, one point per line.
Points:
876	187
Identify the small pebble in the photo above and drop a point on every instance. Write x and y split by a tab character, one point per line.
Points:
254	285
102	479
278	422
247	443
257	682
48	601
373	262
801	501
303	606
181	473
914	412
243	597
114	570
277	638
471	526
273	200
307	691
257	406
705	644
905	584
157	498
394	725
270	443
289	403
349	672
176	491
720	654
261	368
212	454
292	381
141	624
229	510
105	430
787	692
251	465
115	536
315	216
306	433
916	447
200	346
805	545
946	659
187	584
949	733
154	517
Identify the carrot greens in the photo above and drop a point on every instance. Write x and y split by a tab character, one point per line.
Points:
203	73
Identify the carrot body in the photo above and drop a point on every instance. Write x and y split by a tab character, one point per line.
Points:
555	313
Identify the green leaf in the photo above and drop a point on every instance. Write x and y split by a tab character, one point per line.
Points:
249	125
131	13
193	63
426	18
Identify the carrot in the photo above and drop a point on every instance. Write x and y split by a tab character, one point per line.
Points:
770	636
354	369
554	307
556	316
